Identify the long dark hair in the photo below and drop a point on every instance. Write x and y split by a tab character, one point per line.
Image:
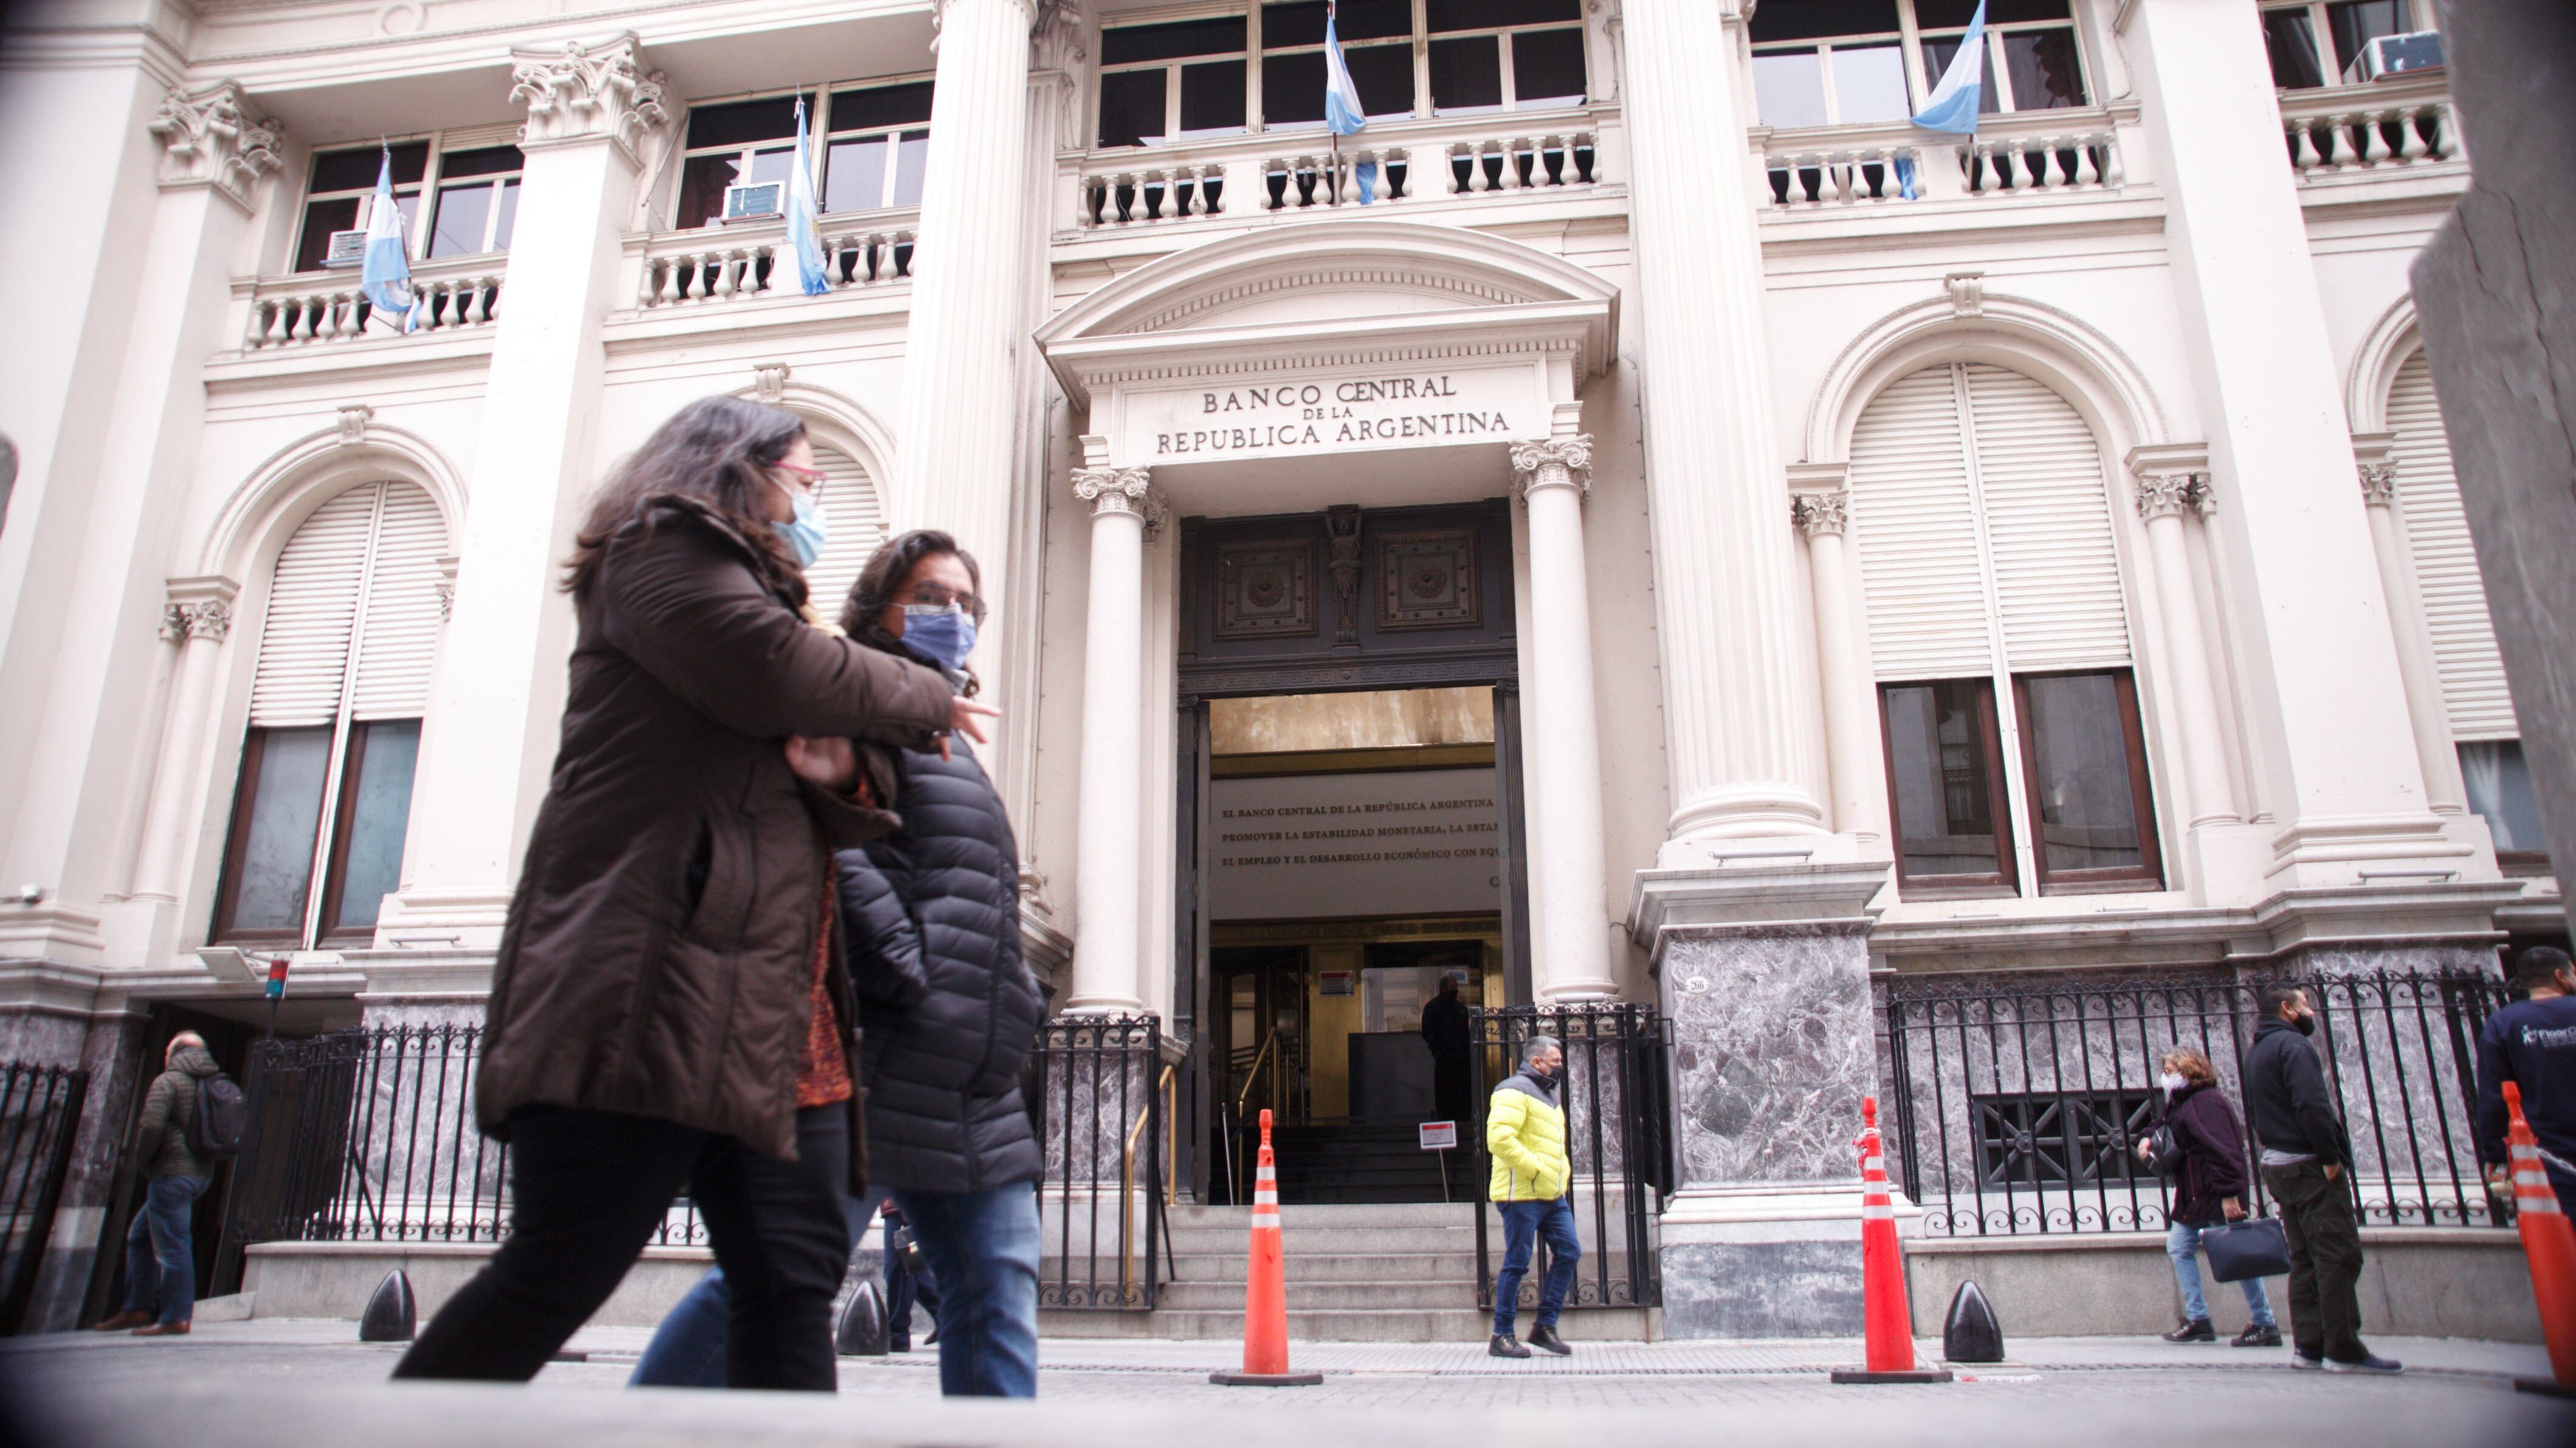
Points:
885	572
713	457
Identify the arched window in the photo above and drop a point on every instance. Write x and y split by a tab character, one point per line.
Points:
2475	702
857	525
1996	614
343	680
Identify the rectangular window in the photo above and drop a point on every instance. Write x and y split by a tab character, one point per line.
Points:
872	142
478	200
1945	779
2500	792
877	147
343	187
1179	78
277	820
1845	62
2092	822
2316	42
375	810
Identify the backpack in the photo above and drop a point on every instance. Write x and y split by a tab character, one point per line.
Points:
215	1128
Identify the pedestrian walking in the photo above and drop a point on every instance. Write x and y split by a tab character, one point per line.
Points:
667	971
1445	1029
2307	1163
1525	1135
160	1248
948	1009
2532	1043
2209	1188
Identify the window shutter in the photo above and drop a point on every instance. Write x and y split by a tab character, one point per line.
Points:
2048	526
312	603
2446	566
399	638
1914	525
850	510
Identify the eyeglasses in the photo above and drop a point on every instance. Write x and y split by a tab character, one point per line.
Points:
931	595
813	477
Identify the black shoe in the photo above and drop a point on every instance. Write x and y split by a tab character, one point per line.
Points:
1505	1345
2261	1334
900	1344
2366	1363
1544	1336
2196	1330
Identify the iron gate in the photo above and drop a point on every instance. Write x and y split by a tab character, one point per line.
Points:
40	1110
1617	1095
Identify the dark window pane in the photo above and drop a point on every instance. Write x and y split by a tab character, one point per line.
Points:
1789	88
371	855
854	174
1165	42
509	216
1292	89
1444	15
1374	20
1954	14
2080	785
463	213
355	170
742	123
284	819
1936	59
321	218
878	106
1938	744
703	180
911	160
2356	23
1384	75
1869	84
2045	76
1131	108
1819	19
486	161
1466	75
2292	42
1301	23
2500	793
1212	97
1547	68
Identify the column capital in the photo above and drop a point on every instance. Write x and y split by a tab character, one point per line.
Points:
1818	514
1033	13
209	139
1555	462
1116	490
584	93
2375	464
198	608
2171	477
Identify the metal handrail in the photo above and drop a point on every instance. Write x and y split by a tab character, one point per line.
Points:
1127	1188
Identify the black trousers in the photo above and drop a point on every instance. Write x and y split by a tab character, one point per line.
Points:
589	1189
2325	1260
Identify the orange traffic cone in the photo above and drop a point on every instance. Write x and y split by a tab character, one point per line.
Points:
1889	1322
2549	1241
1265	1290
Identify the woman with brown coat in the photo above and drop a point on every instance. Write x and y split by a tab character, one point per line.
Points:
654	1023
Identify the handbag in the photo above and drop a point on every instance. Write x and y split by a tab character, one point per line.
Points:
2255	1247
2164	1151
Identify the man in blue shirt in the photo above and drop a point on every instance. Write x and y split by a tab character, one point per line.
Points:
2532	1043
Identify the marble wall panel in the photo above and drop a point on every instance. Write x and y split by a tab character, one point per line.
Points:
1762	1289
1772	1051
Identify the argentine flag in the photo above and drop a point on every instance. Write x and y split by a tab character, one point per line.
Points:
1952	106
1343	113
804	230
385	275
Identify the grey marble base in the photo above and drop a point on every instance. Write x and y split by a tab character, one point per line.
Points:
1762	1289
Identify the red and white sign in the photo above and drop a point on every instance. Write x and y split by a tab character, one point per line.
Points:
1439	1135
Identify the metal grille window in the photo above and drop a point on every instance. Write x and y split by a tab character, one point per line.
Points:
1840	62
345	655
471	176
2052	1139
874	139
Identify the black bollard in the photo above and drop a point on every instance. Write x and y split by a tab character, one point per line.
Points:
391	1312
1970	1334
862	1331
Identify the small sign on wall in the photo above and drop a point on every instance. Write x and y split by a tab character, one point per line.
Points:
1337	983
1439	1135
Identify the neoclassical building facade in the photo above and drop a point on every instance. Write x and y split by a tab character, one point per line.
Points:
2049	563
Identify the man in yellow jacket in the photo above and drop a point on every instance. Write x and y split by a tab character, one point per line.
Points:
1525	1135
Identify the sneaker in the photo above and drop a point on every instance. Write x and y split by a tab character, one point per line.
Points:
1544	1336
2367	1363
2195	1330
1505	1345
2261	1334
2305	1363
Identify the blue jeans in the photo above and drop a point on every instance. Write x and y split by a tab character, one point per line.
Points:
160	1258
688	1349
982	1250
1523	1224
2183	1245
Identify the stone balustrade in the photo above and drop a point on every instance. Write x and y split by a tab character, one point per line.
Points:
728	264
2011	155
2390	124
302	310
1150	193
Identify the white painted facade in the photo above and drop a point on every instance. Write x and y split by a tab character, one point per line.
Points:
2207	273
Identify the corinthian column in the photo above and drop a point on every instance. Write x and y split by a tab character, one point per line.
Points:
198	617
1564	754
1851	719
2167	488
2444	790
1739	721
1108	846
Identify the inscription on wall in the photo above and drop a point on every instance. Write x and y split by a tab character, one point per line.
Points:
1299	414
1390	842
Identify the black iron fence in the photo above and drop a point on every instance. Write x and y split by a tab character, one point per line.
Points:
2017	1109
40	1110
1617	1095
1101	1096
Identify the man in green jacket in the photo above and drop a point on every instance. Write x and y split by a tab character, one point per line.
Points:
160	1257
1525	1135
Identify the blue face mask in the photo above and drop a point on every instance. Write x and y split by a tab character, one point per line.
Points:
944	636
806	532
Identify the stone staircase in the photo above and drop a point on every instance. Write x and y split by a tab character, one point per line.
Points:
1357	1272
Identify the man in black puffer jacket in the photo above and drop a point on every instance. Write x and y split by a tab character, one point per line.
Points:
947	1007
2306	1161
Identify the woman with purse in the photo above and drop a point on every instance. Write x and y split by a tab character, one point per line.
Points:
2209	1187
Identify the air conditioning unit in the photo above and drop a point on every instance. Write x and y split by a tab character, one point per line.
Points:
2395	55
347	249
757	202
